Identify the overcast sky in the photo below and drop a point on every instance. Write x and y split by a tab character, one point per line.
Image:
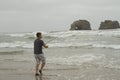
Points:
52	15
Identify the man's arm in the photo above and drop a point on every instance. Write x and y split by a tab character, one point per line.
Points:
45	46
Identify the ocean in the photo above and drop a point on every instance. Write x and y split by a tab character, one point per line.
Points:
95	53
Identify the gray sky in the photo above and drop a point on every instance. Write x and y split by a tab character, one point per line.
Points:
52	15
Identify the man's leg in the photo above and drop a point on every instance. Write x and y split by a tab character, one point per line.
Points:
37	68
42	66
37	64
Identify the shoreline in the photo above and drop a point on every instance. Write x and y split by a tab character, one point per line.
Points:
25	71
87	64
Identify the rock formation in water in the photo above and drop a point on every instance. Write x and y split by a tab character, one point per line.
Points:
109	24
80	25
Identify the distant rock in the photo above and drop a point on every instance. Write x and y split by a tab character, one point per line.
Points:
80	25
109	24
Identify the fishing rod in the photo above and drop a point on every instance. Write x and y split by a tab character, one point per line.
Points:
51	40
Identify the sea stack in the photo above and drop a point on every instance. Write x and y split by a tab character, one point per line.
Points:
109	24
80	25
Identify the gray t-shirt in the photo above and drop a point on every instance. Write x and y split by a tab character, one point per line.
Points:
38	46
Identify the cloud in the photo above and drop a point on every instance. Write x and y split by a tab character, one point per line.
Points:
55	13
47	4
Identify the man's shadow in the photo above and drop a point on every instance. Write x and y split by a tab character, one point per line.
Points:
38	77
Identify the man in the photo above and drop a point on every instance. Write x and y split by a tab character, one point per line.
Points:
39	55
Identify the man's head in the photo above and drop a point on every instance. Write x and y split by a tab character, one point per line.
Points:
39	35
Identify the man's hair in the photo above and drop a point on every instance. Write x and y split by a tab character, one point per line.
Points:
38	34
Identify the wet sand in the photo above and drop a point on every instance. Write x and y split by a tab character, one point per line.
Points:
10	70
17	69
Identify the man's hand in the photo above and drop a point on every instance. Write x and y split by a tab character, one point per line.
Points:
45	46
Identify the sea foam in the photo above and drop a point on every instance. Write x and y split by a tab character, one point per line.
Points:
85	38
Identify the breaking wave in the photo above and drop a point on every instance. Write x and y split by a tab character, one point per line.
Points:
19	44
85	38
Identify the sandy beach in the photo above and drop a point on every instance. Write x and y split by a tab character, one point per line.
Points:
25	71
11	69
